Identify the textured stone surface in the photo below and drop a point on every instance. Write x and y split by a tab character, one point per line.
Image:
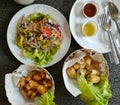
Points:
8	62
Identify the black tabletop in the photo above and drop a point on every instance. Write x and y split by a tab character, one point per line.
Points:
8	62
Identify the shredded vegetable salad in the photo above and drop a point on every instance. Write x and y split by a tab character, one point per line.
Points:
39	36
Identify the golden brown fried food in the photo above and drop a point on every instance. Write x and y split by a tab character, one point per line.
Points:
41	89
36	83
76	66
71	72
86	66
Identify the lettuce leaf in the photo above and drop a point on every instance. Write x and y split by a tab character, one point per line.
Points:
40	58
94	94
45	99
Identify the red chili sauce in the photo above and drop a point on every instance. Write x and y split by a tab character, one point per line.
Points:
90	10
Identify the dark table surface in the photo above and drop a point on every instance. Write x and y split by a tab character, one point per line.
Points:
8	62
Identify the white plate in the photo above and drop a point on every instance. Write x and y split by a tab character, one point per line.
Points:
71	84
98	42
11	80
11	32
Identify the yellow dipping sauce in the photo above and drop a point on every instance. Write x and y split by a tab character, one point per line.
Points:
89	29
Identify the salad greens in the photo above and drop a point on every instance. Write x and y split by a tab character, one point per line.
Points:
39	36
45	99
94	94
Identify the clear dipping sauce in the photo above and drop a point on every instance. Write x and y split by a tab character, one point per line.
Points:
89	29
90	9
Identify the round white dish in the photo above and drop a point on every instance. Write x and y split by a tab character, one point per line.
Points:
99	42
11	32
71	84
11	80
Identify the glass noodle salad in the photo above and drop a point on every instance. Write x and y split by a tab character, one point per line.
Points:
39	36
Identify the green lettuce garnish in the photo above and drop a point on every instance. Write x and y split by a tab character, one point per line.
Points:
45	99
94	94
40	58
